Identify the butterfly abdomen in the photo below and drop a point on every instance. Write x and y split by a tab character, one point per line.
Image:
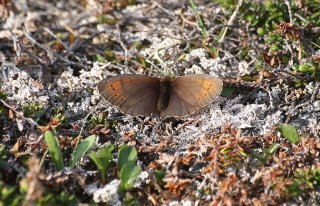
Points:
164	94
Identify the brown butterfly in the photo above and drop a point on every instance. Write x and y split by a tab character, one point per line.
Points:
144	95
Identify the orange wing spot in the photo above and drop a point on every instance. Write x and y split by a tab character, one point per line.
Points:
207	85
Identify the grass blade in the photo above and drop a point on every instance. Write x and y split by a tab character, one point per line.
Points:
200	22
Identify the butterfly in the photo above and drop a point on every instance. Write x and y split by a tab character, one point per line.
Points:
165	97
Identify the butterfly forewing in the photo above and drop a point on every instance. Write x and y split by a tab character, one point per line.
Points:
133	94
197	90
191	92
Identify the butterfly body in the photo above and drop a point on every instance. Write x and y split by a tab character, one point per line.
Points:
145	95
165	90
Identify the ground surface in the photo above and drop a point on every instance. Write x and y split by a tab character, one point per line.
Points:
230	152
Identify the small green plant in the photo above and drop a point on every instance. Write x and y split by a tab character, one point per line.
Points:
81	149
9	195
128	175
289	132
126	154
3	95
100	120
275	43
55	152
265	15
99	58
130	200
160	174
129	171
306	68
261	16
97	120
59	115
34	111
61	198
304	180
232	154
268	152
103	160
309	68
127	168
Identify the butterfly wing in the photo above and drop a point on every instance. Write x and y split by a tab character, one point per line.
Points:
133	94
191	92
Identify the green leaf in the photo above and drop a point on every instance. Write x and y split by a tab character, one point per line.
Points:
127	154
82	148
100	58
289	132
95	158
128	174
7	191
160	174
130	200
52	142
261	158
273	148
103	160
2	150
106	154
227	91
3	95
